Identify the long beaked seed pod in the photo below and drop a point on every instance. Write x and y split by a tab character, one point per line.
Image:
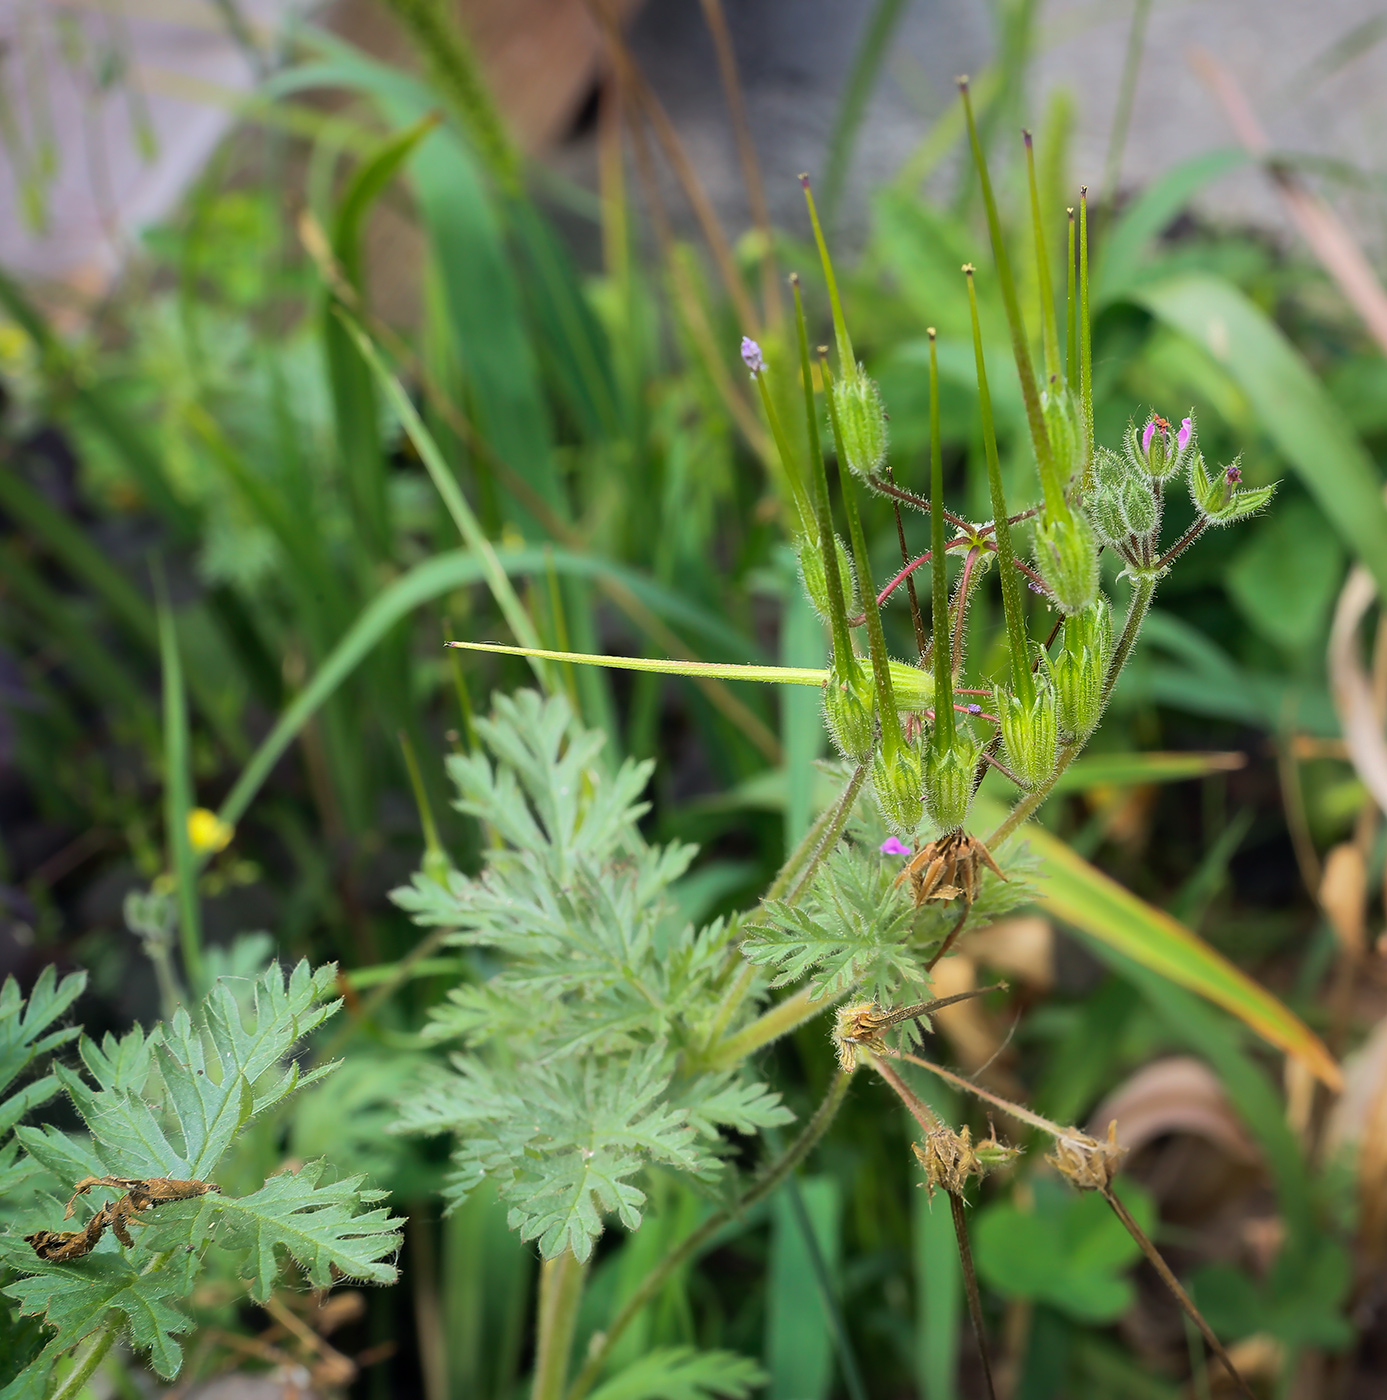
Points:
811	571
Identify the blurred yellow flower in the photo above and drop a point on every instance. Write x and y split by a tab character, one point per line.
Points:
207	831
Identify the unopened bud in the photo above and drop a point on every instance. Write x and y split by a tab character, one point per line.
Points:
1030	735
1219	499
1109	469
1066	554
811	570
949	779
1104	506
1078	670
899	786
861	420
1139	507
848	711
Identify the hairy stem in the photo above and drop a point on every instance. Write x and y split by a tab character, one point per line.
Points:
1158	1263
687	1248
779	1020
560	1291
75	1382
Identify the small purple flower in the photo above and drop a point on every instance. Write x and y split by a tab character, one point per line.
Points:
1232	473
751	355
1182	438
1150	430
974	709
1035	587
893	847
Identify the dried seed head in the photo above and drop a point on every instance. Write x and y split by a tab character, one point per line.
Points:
859	1025
1088	1163
950	1158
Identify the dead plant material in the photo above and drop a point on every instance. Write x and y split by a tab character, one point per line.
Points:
863	1025
140	1194
1088	1162
949	868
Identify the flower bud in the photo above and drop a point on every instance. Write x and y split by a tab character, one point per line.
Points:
811	570
898	783
949	779
1104	506
1158	450
1078	670
1109	469
848	712
861	420
1218	499
1138	507
1062	428
1030	735
1066	553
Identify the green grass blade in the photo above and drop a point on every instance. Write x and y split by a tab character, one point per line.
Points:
714	670
852	106
1120	255
1136	769
1289	403
1079	894
178	802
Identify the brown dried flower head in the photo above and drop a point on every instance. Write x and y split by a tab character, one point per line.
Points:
950	1158
1087	1162
949	868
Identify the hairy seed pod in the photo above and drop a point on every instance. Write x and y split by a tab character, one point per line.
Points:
898	783
1066	554
1078	670
848	712
949	782
1062	428
861	420
1109	468
1030	735
811	570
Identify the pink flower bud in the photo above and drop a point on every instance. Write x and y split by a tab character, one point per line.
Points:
893	846
1182	438
1232	473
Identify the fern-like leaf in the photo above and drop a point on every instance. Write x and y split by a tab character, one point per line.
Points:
681	1373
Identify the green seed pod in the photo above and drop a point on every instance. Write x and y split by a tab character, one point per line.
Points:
899	786
949	782
1139	507
861	420
811	570
1062	428
848	712
1066	554
1104	508
1030	735
1077	671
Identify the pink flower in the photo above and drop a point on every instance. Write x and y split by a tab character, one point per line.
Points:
892	847
1182	438
1232	473
1149	432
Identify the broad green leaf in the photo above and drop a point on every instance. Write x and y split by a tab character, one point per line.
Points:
1290	404
1082	895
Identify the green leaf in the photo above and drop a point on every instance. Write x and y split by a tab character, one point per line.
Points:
681	1373
1070	1251
318	1224
22	1023
1138	769
76	1299
1082	895
1291	405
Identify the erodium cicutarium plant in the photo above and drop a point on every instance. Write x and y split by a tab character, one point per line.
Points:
613	1036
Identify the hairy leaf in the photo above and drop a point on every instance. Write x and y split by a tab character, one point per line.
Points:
681	1373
